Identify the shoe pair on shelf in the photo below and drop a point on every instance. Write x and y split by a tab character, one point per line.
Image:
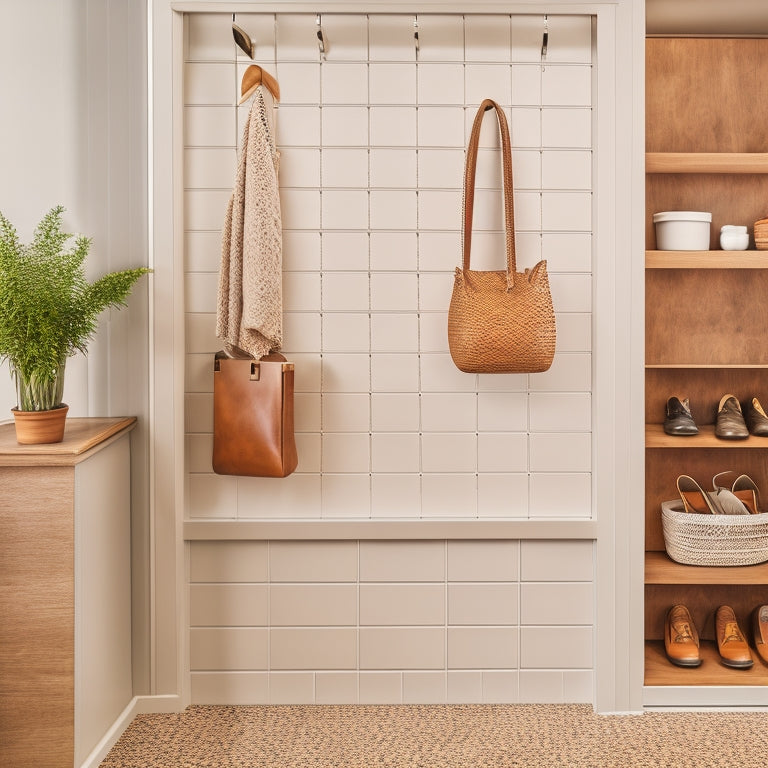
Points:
681	639
742	498
730	423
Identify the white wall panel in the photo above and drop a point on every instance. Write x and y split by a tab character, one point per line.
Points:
372	144
208	38
482	647
504	494
345	495
390	621
396	496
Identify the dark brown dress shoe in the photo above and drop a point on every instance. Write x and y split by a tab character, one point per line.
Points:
757	421
681	640
678	419
760	631
733	648
730	420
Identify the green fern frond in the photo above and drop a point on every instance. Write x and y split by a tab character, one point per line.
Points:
48	309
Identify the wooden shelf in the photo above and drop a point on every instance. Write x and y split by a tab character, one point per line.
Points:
81	434
706	259
655	437
660	671
661	569
706	162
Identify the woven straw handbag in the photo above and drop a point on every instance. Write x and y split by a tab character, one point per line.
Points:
499	321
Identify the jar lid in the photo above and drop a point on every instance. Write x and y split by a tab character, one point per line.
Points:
682	216
735	228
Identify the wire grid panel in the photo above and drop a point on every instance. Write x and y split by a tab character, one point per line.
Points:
372	134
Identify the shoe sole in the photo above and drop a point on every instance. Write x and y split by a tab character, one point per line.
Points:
685	662
737	664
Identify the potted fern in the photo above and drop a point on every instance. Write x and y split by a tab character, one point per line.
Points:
48	312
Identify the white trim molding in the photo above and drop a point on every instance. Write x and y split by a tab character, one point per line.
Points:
139	705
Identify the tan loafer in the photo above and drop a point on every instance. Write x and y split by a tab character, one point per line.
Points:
681	640
760	631
731	643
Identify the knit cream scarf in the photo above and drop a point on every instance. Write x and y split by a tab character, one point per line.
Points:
249	313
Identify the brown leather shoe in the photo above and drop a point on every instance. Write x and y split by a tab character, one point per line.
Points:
760	631
681	640
734	651
678	419
757	419
730	423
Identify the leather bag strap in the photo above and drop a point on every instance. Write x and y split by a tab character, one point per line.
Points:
469	187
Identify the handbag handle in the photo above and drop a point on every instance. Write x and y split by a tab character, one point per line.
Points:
469	187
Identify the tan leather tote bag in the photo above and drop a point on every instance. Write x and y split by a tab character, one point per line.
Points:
253	418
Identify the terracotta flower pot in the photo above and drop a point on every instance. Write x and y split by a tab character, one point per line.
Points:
40	427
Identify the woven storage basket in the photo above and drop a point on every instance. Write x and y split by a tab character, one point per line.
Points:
761	235
694	539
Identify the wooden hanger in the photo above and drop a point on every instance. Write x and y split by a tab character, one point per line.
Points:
255	76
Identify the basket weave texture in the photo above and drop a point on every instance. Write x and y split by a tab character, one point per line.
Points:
761	235
725	540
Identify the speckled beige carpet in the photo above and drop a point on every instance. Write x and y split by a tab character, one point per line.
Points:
453	736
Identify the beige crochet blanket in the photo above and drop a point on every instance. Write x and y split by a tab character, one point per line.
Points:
250	302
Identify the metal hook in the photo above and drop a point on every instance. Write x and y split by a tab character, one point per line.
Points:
243	39
545	39
320	37
416	35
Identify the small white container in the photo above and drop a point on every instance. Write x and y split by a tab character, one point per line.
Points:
682	230
734	238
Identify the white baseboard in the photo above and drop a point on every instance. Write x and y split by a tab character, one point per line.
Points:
139	705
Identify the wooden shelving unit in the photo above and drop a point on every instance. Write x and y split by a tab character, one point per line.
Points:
706	327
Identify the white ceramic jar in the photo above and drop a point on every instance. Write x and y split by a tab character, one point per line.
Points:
734	238
682	230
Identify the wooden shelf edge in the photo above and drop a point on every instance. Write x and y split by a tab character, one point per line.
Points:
655	437
660	671
661	569
706	259
706	162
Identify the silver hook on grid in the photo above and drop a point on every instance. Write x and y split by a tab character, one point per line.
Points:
545	40
416	35
321	44
243	40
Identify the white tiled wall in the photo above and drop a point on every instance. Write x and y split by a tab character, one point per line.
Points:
391	621
372	143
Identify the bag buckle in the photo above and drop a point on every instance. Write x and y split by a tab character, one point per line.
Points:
255	371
